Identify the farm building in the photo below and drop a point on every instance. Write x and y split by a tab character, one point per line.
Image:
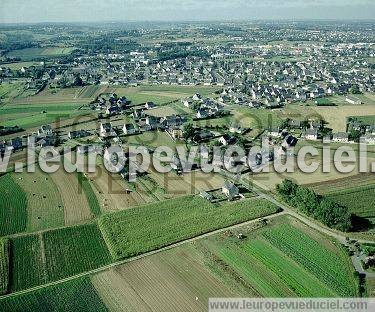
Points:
207	196
150	105
230	190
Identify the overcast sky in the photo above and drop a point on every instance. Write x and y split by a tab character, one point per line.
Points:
29	11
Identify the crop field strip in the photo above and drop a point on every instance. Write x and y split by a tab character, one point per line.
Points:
326	266
4	266
13	207
142	229
37	259
359	200
283	259
272	270
44	203
76	295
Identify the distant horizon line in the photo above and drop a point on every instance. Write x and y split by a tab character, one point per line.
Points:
187	21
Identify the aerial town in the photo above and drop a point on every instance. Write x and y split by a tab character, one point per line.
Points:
145	239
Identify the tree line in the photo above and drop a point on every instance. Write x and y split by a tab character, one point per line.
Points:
317	206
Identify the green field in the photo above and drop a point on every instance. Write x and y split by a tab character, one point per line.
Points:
26	262
74	250
9	91
56	254
367	120
91	197
151	139
138	230
359	200
77	295
4	266
34	53
45	208
13	207
329	266
19	65
282	260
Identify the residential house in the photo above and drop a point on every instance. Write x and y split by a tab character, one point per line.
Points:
176	133
129	129
275	133
106	130
230	190
227	140
45	130
76	134
311	134
150	105
341	137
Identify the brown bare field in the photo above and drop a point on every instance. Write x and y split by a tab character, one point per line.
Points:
187	183
76	206
111	191
269	180
175	280
335	115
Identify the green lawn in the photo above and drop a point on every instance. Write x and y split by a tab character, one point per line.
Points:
138	230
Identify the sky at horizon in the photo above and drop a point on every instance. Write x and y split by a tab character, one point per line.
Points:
26	11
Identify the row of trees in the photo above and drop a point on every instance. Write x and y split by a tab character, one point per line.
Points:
319	207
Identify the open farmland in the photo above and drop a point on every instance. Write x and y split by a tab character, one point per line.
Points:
74	250
363	179
76	295
75	203
359	200
45	208
336	116
269	180
111	191
27	262
284	259
34	53
13	207
4	265
151	139
150	283
90	195
138	230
